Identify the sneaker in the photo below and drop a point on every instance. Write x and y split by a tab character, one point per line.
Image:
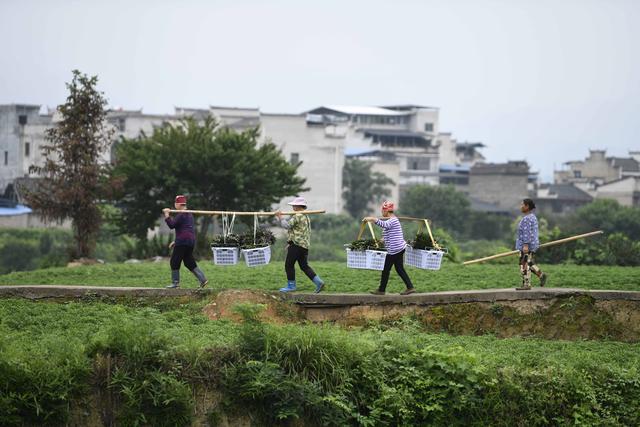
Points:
377	292
203	284
173	286
543	279
408	291
319	288
523	288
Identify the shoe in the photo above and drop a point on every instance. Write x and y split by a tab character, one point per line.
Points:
203	284
543	279
523	288
408	291
173	286
377	292
319	288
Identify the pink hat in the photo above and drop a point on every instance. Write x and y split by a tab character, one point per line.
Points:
181	200
298	201
388	206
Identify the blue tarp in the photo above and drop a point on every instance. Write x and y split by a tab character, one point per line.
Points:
17	210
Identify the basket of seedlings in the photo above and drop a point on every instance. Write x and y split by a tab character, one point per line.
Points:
256	246
226	246
424	252
368	254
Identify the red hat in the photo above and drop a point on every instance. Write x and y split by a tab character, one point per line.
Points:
181	200
388	206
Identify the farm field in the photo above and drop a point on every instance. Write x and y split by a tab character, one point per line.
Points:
338	277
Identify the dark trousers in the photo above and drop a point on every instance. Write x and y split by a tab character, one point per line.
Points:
397	260
182	254
298	254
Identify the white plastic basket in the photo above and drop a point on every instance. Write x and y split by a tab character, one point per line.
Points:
425	259
225	256
257	256
356	259
369	259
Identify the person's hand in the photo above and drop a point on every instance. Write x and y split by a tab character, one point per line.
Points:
525	249
165	211
171	245
370	219
279	214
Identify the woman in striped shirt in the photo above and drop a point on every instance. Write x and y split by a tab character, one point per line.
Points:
395	244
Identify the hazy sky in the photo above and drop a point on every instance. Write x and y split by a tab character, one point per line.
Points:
537	80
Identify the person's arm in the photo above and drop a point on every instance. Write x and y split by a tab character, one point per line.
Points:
385	224
173	222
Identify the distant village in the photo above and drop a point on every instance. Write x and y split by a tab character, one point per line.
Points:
405	142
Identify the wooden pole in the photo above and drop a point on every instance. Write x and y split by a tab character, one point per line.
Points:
245	213
544	245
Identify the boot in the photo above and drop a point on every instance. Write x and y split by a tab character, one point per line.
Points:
200	276
319	284
291	286
175	279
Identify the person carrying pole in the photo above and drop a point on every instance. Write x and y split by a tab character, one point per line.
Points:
183	245
395	244
298	239
527	243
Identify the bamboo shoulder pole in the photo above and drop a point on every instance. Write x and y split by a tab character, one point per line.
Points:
310	212
544	245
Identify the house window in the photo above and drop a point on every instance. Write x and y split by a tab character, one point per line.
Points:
121	124
6	158
428	127
27	149
418	163
577	174
22	120
294	159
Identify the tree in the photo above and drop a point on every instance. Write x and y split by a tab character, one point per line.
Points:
362	187
72	183
216	167
446	207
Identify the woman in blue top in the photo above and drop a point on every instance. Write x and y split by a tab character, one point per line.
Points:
527	243
395	244
183	223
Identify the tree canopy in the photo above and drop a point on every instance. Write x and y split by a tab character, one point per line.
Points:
362	186
216	167
71	183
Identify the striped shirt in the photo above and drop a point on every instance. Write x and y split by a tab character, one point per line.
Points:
392	235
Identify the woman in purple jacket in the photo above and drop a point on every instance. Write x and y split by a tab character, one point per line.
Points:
183	223
395	244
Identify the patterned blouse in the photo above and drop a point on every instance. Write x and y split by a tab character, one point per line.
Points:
528	233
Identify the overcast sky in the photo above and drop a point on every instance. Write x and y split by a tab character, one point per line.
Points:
537	80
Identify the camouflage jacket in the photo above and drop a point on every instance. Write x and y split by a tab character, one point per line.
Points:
298	230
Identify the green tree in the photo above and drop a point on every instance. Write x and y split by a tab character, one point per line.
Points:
444	206
72	175
362	186
216	167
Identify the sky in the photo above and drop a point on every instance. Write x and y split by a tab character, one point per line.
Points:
539	80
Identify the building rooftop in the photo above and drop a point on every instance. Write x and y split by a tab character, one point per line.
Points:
358	110
628	164
510	168
563	192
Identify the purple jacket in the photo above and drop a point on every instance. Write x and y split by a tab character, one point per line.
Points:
185	232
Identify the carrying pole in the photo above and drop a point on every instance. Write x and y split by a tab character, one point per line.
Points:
544	245
310	212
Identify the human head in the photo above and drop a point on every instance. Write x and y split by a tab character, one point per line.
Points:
298	204
387	208
180	202
527	205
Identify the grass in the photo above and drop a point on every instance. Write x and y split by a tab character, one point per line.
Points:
338	277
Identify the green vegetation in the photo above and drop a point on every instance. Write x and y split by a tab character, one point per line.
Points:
339	278
143	365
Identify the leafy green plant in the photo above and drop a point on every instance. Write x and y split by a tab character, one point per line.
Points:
365	244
